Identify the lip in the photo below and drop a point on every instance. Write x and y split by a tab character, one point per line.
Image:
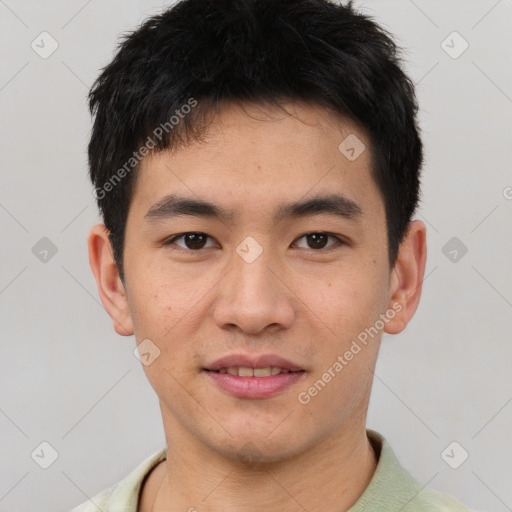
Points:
253	387
261	361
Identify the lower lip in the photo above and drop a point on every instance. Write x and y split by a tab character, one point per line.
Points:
254	387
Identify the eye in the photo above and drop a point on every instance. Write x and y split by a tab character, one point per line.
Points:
195	241
318	240
192	241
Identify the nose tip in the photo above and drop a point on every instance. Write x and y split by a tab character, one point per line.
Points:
251	297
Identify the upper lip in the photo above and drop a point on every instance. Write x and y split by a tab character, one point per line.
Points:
254	361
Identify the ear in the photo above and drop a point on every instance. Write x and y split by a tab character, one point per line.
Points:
110	287
407	277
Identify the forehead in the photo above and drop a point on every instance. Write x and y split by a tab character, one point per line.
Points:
256	154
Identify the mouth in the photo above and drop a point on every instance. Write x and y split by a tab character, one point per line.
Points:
253	377
245	371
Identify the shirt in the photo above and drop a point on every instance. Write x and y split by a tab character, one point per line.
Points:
391	488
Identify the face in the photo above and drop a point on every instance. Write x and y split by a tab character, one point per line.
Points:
282	270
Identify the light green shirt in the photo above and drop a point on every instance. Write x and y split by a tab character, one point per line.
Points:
391	488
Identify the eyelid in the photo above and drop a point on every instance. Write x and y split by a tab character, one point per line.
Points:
339	241
172	240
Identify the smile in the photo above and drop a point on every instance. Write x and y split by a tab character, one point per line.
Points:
244	371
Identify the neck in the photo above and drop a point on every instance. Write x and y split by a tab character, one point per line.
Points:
331	476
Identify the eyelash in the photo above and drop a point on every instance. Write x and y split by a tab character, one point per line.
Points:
339	241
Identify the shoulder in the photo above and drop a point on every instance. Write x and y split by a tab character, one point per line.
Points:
392	487
97	503
429	499
124	495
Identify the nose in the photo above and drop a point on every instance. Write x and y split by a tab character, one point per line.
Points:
253	298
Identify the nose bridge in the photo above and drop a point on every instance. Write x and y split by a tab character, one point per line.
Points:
250	275
251	296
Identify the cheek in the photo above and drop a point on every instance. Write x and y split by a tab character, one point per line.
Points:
348	302
345	353
161	296
164	313
167	309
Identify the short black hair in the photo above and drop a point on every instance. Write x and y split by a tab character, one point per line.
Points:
179	67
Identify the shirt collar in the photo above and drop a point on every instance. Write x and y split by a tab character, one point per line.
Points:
391	487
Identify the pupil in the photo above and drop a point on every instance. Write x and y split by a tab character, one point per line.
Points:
317	240
194	240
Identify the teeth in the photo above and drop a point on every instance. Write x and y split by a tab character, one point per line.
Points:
243	371
262	372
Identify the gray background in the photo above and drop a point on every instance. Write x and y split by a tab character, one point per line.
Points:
68	379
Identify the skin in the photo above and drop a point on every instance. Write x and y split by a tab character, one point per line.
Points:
303	303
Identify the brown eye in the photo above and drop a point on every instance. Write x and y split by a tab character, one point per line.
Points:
319	240
192	241
195	240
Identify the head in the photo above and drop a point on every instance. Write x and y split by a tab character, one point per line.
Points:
256	164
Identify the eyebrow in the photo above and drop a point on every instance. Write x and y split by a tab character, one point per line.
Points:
333	204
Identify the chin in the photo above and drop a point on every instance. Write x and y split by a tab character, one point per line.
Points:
252	448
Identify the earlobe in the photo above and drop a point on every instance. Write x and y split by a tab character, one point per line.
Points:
110	287
407	277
